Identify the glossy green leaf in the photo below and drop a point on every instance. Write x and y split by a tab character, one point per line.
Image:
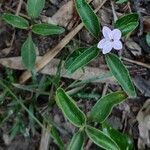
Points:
47	29
127	28
101	139
121	1
127	23
87	96
78	61
69	108
15	21
104	105
122	140
56	137
34	7
77	141
121	73
73	56
88	17
133	17
148	38
28	54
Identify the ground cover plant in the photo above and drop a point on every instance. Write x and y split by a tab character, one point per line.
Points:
49	99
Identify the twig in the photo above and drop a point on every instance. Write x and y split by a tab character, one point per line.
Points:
137	7
128	4
12	39
136	62
52	53
105	89
88	145
113	10
17	13
127	7
75	90
44	143
110	11
21	14
19	7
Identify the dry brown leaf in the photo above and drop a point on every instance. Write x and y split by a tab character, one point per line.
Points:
142	85
63	16
51	69
143	118
13	62
4	52
105	17
103	14
133	47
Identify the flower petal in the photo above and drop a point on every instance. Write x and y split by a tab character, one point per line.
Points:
116	34
106	32
101	43
117	44
107	47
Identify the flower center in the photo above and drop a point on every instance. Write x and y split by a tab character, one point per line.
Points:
111	40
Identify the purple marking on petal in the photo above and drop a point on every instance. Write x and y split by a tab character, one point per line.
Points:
117	44
101	43
116	34
106	32
107	47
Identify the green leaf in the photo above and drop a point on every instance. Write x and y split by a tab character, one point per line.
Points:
101	139
77	141
47	29
75	62
121	73
69	108
73	56
127	28
148	38
34	7
122	140
56	137
104	105
15	129
88	17
121	1
15	21
28	54
31	120
127	23
87	96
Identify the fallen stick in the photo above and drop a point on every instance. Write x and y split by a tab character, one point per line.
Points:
52	53
44	143
136	62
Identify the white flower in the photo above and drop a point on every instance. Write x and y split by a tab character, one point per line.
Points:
111	40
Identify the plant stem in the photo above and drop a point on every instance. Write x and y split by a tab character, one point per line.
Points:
21	103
